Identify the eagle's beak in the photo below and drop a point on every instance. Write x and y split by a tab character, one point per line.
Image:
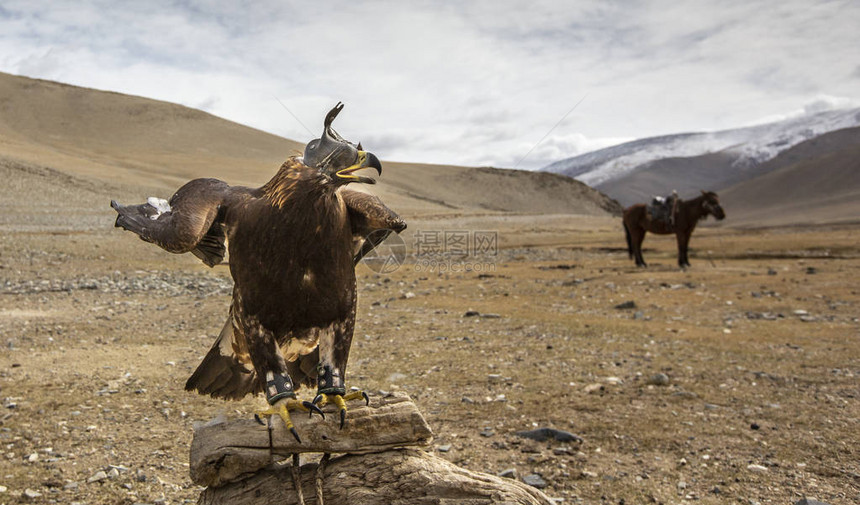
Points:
365	160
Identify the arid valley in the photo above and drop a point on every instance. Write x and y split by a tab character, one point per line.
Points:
733	381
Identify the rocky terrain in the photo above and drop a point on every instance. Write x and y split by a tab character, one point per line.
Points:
732	382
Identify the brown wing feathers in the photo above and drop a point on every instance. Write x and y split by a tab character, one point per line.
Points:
367	214
186	225
211	249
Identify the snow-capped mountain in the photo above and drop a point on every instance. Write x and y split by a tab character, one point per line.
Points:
741	147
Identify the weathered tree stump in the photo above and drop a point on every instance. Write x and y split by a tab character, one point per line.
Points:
243	465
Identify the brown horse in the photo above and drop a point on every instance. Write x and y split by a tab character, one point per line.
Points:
637	222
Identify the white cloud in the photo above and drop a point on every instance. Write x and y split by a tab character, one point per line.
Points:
820	103
469	83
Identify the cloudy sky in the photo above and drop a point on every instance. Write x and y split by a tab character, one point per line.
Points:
472	83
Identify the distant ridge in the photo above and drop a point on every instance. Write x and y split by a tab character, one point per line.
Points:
99	133
143	147
814	182
636	170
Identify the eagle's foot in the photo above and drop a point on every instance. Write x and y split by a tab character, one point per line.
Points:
283	407
339	400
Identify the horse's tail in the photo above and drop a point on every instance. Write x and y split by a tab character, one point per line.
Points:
629	240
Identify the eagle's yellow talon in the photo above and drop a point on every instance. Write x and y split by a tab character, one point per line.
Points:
282	408
339	401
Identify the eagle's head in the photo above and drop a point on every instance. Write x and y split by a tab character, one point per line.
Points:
338	158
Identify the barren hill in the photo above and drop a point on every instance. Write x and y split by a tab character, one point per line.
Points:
113	137
712	172
817	181
715	159
111	144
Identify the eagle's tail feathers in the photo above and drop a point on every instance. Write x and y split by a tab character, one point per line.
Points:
222	377
303	371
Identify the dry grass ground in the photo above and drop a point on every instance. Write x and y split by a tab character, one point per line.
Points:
100	331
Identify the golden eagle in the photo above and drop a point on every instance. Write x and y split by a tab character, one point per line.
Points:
293	244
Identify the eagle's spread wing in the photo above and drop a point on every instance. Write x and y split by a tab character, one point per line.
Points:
190	222
367	214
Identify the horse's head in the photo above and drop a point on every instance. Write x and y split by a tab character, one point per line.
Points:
711	205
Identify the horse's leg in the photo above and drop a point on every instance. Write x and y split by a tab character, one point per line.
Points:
683	240
638	238
629	240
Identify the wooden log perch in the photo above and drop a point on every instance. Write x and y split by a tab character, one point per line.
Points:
400	477
240	466
223	452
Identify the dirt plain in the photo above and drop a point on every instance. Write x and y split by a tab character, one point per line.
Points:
758	343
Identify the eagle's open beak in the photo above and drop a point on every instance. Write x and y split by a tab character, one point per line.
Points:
365	160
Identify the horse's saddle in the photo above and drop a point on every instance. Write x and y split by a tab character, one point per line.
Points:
660	209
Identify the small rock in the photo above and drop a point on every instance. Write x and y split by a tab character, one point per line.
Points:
3	489
689	395
630	304
754	426
756	468
809	501
408	295
471	313
71	486
588	474
466	399
140	476
615	381
534	480
32	495
444	448
544	434
659	379
491	316
32	458
97	477
494	378
811	271
594	388
510	473
638	315
487	432
113	473
396	377
771	271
